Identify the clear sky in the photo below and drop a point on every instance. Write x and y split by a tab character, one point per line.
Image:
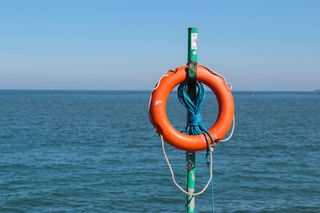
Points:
65	44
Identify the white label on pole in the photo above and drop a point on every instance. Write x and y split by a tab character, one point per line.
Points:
194	41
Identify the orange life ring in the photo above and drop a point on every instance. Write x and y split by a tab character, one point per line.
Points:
158	115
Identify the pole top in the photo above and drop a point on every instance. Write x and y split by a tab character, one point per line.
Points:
192	53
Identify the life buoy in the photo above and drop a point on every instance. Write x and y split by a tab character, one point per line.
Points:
160	121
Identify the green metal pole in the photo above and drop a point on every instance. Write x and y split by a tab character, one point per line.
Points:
191	156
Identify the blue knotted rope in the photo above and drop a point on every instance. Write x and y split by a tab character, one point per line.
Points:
194	121
195	125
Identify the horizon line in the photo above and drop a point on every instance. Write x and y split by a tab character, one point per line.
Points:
149	90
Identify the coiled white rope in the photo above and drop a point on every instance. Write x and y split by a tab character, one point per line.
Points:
173	176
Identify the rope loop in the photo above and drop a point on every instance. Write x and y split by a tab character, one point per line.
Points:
173	176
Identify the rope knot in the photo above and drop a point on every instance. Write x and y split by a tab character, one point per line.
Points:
194	119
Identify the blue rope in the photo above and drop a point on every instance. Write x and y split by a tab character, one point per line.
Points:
195	125
194	121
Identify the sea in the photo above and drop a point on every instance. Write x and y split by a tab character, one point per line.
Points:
96	151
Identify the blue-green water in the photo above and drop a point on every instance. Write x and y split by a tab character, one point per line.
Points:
80	151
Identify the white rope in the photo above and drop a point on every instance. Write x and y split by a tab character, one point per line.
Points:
230	87
218	74
173	176
231	133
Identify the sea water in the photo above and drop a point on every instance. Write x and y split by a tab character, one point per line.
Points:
96	151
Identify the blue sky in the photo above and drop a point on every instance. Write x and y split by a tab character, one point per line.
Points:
257	45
